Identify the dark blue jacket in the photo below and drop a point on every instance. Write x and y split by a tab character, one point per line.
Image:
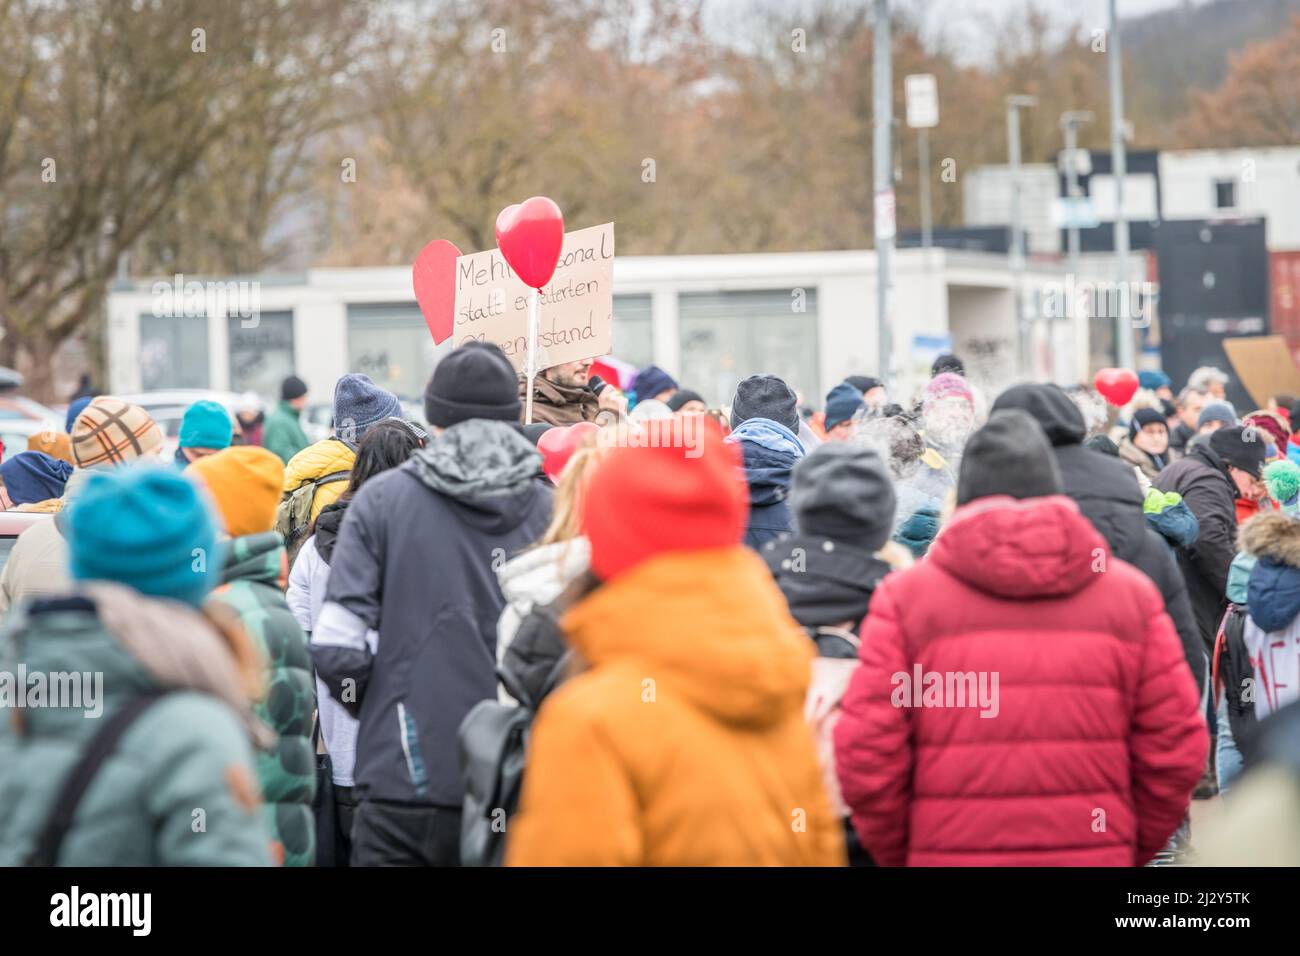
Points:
416	562
1274	594
770	451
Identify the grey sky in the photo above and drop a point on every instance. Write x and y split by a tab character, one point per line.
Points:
968	26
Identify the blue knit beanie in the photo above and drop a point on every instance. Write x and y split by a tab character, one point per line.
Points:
206	425
32	476
1153	380
358	404
842	404
74	409
650	381
145	526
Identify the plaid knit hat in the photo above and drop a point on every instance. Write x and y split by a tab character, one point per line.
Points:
112	432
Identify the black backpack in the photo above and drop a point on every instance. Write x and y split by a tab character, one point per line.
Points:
493	747
1234	671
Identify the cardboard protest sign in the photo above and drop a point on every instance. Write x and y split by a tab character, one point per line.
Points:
1264	365
577	305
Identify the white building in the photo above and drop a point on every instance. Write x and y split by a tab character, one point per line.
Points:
986	201
1235	183
1192	184
709	320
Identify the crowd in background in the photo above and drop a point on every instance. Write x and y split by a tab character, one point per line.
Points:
947	628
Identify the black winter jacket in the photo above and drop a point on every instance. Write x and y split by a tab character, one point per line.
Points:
825	583
1108	494
415	561
1206	488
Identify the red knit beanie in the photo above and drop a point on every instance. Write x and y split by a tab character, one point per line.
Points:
670	496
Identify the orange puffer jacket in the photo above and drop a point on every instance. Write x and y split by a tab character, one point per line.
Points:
685	743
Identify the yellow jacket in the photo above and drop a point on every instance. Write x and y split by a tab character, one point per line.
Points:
325	457
684	744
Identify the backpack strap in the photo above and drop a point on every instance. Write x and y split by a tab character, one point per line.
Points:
317	482
48	844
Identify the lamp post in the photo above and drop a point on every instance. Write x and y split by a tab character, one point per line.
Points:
1015	103
1124	357
882	120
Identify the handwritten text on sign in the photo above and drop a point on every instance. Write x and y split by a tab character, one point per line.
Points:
577	305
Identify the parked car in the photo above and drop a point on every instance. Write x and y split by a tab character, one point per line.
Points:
21	407
12	524
167	408
318	418
14	432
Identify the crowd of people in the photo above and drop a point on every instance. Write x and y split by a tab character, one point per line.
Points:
943	628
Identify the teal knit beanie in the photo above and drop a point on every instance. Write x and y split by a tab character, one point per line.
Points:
144	526
206	425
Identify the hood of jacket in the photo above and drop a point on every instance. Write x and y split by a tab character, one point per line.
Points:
1273	535
824	582
1035	547
770	452
1051	406
328	523
485	466
711	625
1273	594
138	644
537	576
325	457
256	557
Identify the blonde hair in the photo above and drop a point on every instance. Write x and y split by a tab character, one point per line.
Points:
566	509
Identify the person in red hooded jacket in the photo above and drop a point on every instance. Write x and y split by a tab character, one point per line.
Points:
1023	698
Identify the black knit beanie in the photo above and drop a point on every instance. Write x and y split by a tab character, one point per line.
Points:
1008	456
765	396
473	381
843	492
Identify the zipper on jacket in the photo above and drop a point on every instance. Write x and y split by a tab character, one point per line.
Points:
411	750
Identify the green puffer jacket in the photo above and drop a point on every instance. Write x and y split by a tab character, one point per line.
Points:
179	788
282	434
252	586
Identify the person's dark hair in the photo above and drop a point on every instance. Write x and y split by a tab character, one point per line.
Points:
386	445
1285	401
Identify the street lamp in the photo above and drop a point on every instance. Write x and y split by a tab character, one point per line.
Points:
1124	357
1015	103
1072	167
882	124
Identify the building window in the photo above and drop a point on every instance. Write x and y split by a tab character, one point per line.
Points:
173	351
633	330
261	356
726	336
392	344
1225	194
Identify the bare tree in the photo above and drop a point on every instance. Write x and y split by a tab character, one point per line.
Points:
108	110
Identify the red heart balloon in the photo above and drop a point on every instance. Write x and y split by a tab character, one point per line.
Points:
530	236
434	278
1117	385
557	446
